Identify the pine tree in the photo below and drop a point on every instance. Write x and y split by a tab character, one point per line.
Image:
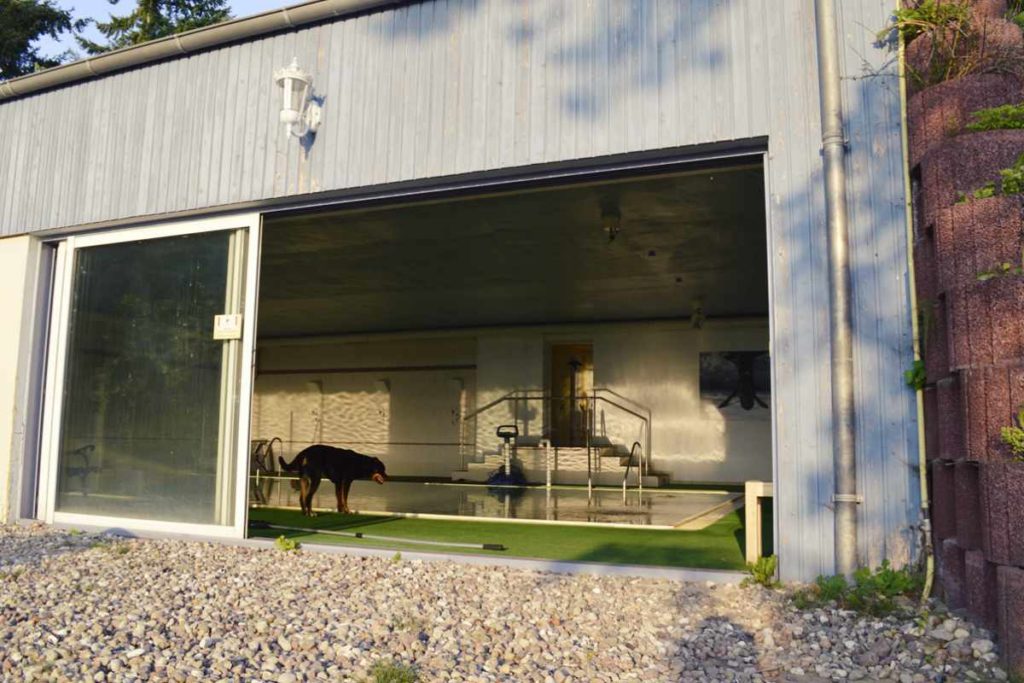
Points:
153	19
22	23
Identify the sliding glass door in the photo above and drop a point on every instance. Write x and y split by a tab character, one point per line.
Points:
150	363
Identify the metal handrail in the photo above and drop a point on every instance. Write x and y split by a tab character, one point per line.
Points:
525	394
636	404
639	476
540	393
528	395
514	397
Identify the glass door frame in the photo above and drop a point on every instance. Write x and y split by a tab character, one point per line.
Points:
248	224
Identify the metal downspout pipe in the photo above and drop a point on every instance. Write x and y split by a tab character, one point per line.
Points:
845	499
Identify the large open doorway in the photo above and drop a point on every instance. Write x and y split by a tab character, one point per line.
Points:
592	353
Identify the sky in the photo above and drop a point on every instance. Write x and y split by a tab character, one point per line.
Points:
101	9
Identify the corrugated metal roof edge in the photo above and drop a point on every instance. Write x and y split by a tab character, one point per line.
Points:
188	42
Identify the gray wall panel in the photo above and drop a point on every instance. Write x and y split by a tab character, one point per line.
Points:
887	447
455	86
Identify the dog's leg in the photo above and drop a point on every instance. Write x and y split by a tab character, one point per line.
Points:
344	493
339	492
304	494
314	484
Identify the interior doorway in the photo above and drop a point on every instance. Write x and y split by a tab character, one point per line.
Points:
509	356
572	380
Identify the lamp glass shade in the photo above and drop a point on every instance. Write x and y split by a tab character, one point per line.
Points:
295	84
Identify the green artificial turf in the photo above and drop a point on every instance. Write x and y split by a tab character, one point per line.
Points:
719	546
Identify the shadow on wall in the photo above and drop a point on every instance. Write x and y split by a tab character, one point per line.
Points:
887	445
642	44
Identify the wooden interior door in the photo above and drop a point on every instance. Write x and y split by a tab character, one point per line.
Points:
572	380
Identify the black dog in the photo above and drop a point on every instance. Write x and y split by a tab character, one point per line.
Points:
340	465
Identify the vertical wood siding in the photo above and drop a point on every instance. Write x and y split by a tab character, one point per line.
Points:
437	88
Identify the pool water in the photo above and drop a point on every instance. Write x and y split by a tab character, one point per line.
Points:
653	507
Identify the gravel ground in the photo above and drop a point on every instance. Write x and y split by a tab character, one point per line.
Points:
80	607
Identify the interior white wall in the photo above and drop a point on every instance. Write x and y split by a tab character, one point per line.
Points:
398	399
659	367
394	412
507	361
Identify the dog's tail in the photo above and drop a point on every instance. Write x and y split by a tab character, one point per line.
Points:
294	466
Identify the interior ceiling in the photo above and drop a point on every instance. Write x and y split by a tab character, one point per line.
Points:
532	257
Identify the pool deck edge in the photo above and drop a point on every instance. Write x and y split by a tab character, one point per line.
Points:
552	566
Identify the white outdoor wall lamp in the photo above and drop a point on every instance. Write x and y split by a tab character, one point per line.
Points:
299	114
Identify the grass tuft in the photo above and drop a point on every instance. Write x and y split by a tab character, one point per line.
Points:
286	545
391	672
762	572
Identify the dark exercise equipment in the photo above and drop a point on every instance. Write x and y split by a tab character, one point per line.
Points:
511	471
373	537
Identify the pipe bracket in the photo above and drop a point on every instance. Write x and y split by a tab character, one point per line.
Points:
847	498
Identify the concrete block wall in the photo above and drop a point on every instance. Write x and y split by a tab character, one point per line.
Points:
973	336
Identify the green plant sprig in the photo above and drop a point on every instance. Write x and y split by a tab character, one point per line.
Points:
1015	12
391	672
926	16
287	545
1002	270
762	572
1011	182
873	592
1013	436
1006	117
916	377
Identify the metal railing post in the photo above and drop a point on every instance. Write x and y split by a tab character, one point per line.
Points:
547	462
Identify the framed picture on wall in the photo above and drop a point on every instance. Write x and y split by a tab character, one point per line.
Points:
736	383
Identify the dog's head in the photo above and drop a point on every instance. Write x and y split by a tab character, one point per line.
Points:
379	473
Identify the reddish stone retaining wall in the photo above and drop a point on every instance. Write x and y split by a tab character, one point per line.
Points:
973	339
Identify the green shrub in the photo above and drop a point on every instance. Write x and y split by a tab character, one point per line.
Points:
1013	177
831	588
1002	270
762	572
915	377
1015	12
1011	181
1006	117
1013	436
957	46
390	672
873	592
824	589
926	16
985	191
287	545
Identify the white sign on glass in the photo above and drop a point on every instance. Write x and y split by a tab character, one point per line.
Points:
227	326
